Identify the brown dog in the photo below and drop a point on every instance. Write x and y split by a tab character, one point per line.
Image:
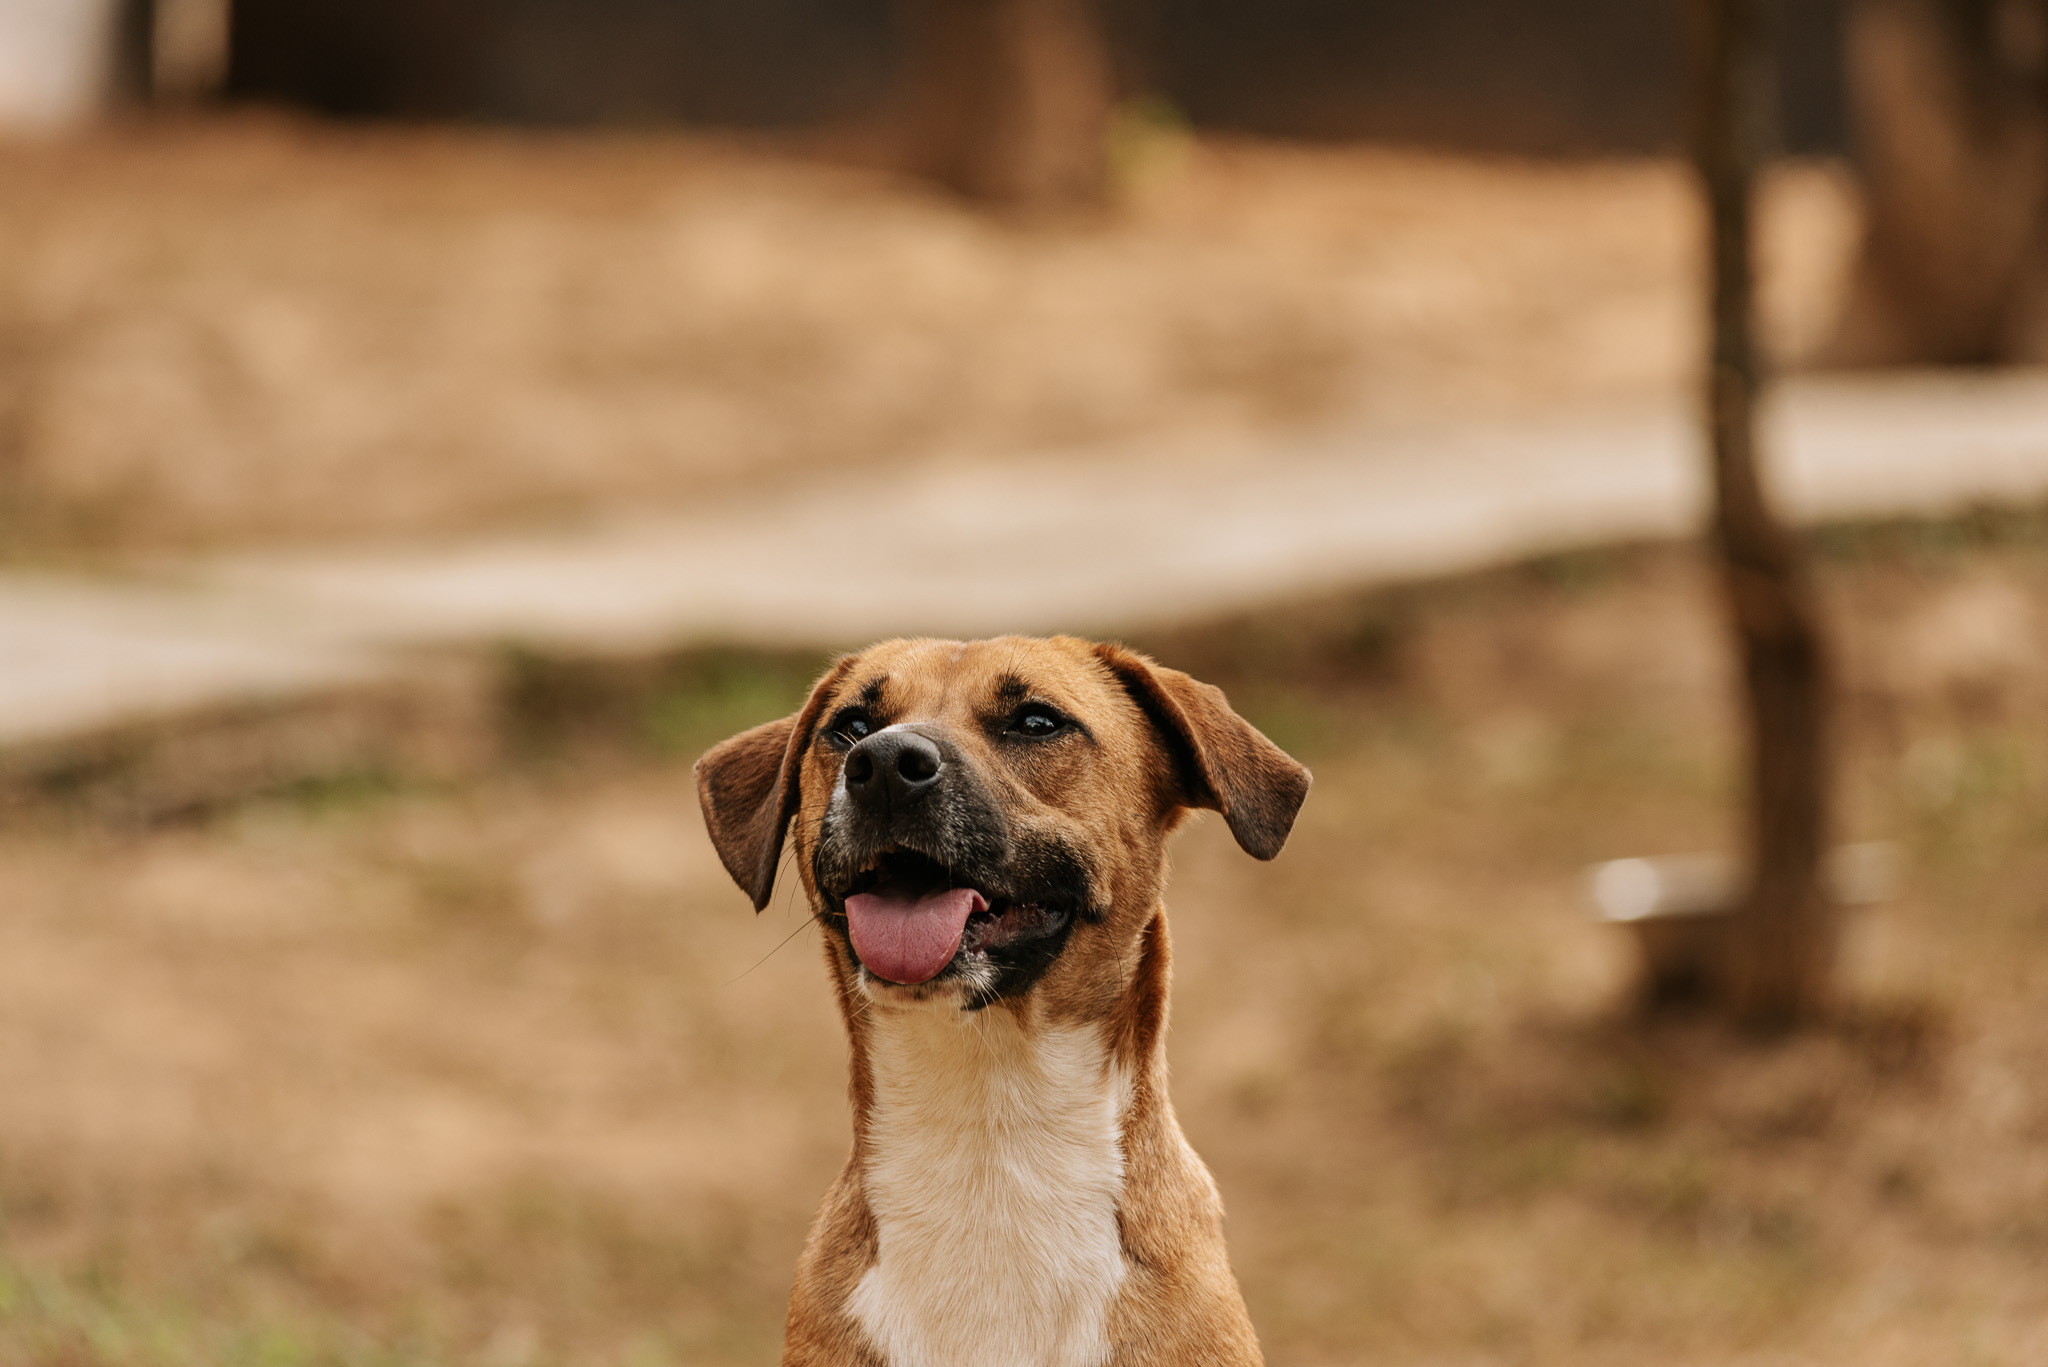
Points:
981	830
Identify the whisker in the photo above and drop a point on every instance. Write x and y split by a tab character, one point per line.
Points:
807	924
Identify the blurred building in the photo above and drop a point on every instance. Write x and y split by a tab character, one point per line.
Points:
1530	76
56	60
65	61
1512	75
750	63
1535	76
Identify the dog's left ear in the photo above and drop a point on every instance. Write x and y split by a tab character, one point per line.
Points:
747	787
1221	760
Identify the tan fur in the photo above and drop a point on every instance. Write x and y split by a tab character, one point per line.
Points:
1019	1190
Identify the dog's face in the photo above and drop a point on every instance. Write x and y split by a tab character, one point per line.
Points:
978	821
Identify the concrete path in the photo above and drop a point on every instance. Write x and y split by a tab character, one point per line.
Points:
1088	542
80	656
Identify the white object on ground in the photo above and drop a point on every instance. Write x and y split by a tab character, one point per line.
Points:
1680	885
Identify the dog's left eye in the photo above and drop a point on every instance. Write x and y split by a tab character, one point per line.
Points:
850	726
1037	720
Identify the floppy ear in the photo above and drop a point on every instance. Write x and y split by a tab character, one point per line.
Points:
1221	760
747	787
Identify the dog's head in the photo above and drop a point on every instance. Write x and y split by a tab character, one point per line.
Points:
975	819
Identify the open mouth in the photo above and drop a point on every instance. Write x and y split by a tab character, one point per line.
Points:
910	918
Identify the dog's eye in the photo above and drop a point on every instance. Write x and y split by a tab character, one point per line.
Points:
1037	720
852	726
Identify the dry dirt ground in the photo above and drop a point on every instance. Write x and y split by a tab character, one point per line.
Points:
254	329
507	1073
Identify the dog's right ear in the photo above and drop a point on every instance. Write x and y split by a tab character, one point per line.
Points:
747	787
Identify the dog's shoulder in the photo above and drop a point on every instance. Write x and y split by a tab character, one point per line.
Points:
841	1247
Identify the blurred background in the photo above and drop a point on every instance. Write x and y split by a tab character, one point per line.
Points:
425	427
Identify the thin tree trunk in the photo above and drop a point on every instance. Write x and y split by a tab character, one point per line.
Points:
1009	101
134	33
1781	944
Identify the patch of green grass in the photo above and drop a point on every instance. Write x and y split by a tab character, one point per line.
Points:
1973	795
338	792
1306	724
54	1322
715	694
1578	571
672	705
1931	540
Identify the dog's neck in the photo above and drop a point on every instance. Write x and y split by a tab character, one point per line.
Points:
992	1152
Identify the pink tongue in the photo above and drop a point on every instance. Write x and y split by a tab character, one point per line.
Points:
908	940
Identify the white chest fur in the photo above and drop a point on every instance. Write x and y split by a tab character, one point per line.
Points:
994	1169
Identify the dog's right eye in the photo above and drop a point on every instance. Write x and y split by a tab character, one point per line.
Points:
849	727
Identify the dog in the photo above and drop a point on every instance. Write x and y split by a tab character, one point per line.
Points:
981	829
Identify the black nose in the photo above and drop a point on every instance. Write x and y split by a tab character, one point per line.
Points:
892	769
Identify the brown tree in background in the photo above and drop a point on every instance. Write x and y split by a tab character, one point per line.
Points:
1950	103
1009	101
1779	954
